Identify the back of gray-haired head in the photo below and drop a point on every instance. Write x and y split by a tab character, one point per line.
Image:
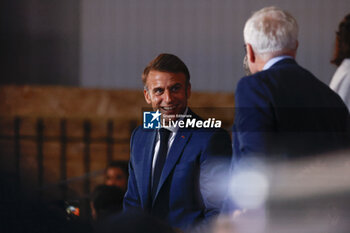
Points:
271	30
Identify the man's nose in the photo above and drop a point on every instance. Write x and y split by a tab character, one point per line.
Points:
167	96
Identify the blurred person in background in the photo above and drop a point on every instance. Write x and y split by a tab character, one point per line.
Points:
106	201
341	80
24	211
116	174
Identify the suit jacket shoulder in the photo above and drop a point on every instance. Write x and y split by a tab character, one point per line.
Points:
286	99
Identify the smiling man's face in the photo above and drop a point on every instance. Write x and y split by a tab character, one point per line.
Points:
167	92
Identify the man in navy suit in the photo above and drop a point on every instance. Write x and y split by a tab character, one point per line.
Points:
175	172
281	108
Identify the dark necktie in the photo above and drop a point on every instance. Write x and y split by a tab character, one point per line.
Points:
161	157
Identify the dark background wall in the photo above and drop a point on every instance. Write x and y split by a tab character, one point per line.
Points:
107	43
40	42
118	38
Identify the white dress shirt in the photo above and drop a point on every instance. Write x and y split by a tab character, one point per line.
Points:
341	81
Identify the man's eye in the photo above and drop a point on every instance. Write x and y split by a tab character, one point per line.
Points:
158	91
175	88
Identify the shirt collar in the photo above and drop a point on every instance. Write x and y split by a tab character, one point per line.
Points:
274	60
175	129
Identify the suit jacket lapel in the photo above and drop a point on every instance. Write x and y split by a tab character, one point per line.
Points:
181	138
147	167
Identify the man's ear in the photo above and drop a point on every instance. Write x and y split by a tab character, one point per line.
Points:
250	53
296	49
147	96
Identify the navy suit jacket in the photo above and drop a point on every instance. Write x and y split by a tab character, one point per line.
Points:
285	110
189	189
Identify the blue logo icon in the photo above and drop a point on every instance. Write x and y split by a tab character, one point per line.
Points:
151	120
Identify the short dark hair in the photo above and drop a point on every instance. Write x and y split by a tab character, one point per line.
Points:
342	42
167	63
123	165
107	200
